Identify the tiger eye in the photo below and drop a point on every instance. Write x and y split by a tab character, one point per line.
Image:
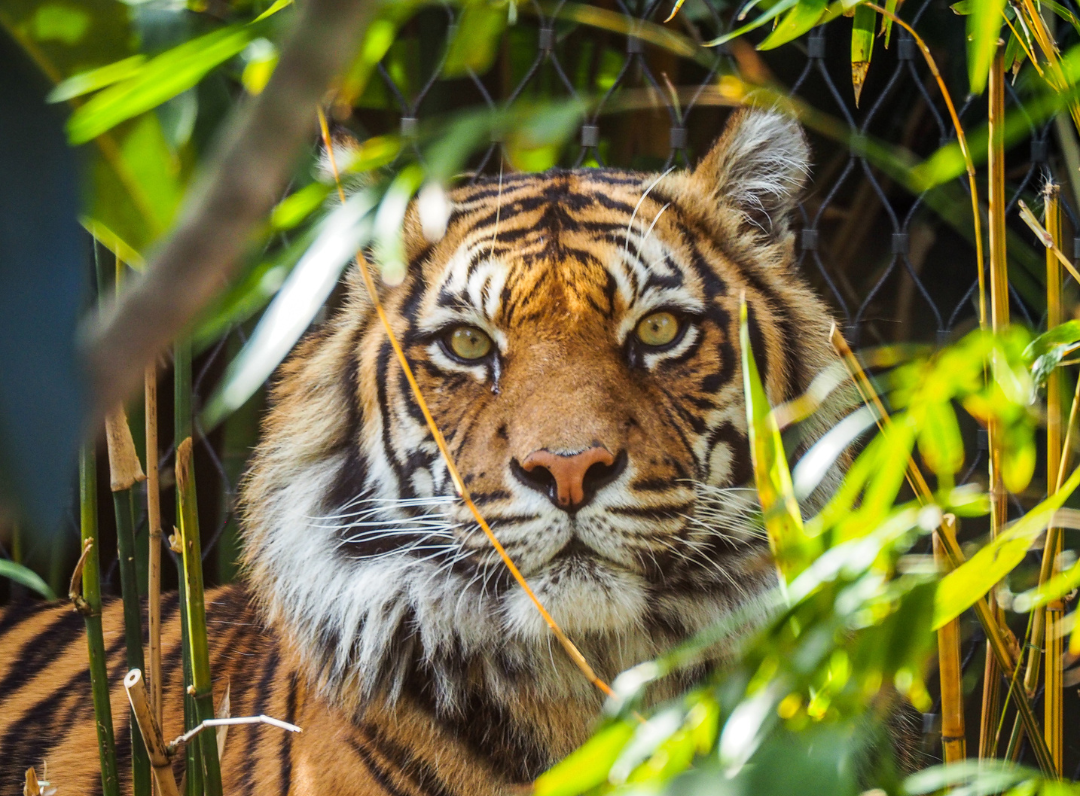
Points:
468	342
658	329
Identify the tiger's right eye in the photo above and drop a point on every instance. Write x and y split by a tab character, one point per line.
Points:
468	342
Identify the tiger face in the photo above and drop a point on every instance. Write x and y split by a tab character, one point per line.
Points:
575	335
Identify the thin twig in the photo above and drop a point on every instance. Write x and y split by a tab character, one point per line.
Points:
232	722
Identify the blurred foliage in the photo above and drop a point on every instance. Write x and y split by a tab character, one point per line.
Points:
809	697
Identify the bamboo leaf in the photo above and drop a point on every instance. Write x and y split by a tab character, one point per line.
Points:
962	587
862	47
783	520
983	28
890	6
476	40
160	79
25	576
1054	589
769	15
799	20
309	284
96	79
586	767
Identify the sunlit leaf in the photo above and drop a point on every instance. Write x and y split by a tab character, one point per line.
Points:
783	520
1054	589
960	589
798	21
96	79
772	13
160	79
983	29
940	442
343	232
25	577
473	47
862	47
586	767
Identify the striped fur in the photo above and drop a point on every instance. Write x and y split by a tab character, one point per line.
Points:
375	614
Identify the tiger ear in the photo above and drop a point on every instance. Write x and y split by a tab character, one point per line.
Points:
759	166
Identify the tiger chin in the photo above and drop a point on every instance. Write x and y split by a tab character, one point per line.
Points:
575	336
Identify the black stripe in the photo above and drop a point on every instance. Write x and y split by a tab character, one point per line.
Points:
259	707
28	739
418	771
377	772
285	753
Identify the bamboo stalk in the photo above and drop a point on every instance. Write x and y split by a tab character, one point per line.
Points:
999	319
1047	621
153	515
125	472
151	731
1002	643
950	673
182	425
90	607
196	614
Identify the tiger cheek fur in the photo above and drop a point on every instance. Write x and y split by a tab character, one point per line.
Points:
614	470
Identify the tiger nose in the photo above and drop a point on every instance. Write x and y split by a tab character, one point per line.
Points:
570	481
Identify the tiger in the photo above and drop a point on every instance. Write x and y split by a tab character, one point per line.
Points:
576	336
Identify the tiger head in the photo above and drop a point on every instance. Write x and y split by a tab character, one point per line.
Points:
575	337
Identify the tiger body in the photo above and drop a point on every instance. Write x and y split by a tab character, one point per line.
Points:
614	469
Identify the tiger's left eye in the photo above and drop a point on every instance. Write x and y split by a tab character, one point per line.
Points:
468	342
658	329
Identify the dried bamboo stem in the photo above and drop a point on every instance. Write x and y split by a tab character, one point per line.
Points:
1046	621
125	472
151	731
90	608
196	614
950	673
999	319
1000	639
153	515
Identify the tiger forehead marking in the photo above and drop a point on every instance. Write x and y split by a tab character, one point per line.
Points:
613	469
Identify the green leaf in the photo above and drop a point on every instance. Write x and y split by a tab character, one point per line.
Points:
587	766
783	520
340	236
160	79
862	47
26	577
799	20
771	14
940	442
476	40
1054	589
983	29
95	79
1065	333
886	22
962	587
